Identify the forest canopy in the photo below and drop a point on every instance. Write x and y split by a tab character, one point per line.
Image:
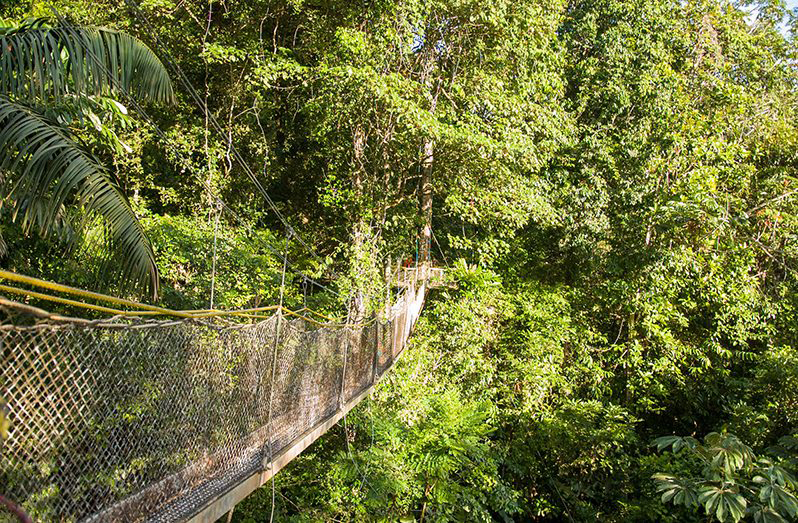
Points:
611	185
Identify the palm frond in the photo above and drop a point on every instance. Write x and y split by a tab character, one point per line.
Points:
42	62
44	168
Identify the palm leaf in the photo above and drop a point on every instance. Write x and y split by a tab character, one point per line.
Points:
44	169
39	62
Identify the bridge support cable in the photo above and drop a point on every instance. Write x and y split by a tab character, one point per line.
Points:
275	348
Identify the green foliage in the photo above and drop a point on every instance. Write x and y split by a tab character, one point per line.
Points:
245	275
46	63
613	185
43	167
734	482
53	170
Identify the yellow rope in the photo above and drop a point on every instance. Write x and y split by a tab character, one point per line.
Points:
318	314
57	287
148	310
309	320
235	312
65	301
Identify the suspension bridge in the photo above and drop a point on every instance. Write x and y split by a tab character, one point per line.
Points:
148	414
134	412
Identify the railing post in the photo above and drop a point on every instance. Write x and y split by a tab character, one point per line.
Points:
275	347
348	333
377	338
398	274
387	288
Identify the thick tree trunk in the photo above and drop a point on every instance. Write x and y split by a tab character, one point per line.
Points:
427	163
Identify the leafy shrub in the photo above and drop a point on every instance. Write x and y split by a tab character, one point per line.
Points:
730	481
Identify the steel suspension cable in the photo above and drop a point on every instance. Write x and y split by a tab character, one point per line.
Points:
219	129
143	18
274	377
440	249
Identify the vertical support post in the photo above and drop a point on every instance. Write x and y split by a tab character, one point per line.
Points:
348	331
398	275
387	289
305	295
377	348
275	346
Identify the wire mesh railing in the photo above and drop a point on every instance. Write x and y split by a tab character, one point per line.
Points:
136	420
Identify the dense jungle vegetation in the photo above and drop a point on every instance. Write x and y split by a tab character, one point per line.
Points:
612	184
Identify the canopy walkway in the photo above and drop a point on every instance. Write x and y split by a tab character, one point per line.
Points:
140	413
177	419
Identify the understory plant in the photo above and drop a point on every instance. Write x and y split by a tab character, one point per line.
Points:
731	482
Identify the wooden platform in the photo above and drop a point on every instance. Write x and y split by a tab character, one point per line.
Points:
410	277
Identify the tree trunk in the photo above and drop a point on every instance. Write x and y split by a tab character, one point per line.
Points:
359	227
427	162
426	204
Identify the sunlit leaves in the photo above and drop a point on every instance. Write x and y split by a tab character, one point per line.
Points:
676	491
725	503
42	62
677	442
726	452
734	481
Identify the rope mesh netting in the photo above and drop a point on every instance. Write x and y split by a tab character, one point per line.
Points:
133	420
